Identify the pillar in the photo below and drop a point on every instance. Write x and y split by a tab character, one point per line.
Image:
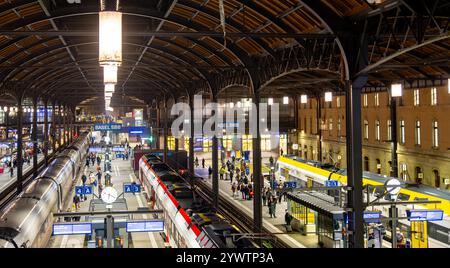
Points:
53	131
34	138
64	120
191	136
257	176
215	164
46	139
19	145
394	137
166	130
58	124
319	130
354	166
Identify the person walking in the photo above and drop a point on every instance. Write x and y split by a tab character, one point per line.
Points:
287	219
196	162
233	189
107	179
203	162
210	171
269	205
11	169
222	172
99	160
264	196
87	161
231	176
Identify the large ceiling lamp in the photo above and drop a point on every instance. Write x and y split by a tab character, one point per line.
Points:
110	74
110	32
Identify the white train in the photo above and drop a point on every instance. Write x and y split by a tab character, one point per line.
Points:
27	220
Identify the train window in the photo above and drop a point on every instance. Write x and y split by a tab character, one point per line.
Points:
403	197
420	199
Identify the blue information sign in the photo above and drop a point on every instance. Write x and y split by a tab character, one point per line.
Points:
425	215
72	228
372	216
331	183
108	127
131	188
136	130
145	226
290	184
84	190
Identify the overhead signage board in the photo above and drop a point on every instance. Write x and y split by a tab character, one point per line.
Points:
108	127
331	183
425	215
72	229
136	130
145	226
372	216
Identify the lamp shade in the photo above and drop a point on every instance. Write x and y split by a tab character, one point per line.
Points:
396	90
110	42
304	99
328	96
110	74
109	88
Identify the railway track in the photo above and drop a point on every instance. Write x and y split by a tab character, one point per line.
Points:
9	193
243	221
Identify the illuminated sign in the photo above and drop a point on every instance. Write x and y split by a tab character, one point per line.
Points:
72	229
372	216
145	226
425	215
107	127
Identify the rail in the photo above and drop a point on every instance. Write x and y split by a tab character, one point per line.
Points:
243	221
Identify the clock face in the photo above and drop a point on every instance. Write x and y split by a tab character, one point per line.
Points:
109	195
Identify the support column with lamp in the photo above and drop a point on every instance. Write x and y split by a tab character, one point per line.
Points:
396	92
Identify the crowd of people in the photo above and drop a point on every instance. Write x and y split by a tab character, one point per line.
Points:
27	156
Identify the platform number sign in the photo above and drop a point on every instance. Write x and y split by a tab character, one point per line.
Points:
84	190
331	183
290	185
131	188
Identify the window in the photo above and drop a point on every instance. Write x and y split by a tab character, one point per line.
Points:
416	97
366	129
366	164
377	99
389	130
339	127
417	138
402	132
435	134
404	174
365	100
377	130
434	96
330	126
338	102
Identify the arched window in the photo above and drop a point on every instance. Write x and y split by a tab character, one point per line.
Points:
419	175
437	178
378	166
366	163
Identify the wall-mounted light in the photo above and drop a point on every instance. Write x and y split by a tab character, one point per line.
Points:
396	90
285	100
304	99
328	96
110	42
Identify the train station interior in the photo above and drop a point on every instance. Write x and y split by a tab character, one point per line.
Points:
225	124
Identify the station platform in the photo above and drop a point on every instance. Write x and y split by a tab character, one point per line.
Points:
6	179
121	173
275	225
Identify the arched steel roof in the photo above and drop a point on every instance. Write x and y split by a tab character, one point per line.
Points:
174	47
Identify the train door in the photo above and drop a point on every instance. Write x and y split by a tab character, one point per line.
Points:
419	234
